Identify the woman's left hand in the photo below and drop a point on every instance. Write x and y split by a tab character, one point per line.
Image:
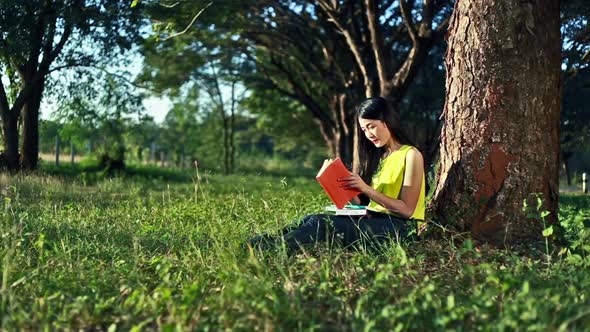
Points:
354	181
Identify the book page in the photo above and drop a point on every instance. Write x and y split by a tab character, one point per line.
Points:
325	165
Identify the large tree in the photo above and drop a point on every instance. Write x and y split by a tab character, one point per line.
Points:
500	138
326	55
337	53
38	37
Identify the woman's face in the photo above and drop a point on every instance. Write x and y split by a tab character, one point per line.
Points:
375	131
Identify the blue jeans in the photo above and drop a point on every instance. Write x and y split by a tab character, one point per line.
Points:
374	228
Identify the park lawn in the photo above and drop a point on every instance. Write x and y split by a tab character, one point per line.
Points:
163	252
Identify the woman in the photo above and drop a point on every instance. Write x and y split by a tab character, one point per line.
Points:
395	170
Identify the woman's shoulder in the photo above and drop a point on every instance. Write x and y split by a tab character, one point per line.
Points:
411	150
413	154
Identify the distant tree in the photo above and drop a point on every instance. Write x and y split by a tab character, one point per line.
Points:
140	134
575	116
48	131
575	54
575	119
326	55
209	68
179	130
103	112
289	134
38	37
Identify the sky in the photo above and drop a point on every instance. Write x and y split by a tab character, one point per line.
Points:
157	107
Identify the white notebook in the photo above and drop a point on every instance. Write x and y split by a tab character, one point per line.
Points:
348	210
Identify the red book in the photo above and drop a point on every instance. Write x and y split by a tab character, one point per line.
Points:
328	178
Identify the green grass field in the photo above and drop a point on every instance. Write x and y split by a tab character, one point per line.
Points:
161	250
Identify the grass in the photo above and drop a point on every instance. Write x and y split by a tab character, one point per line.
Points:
153	250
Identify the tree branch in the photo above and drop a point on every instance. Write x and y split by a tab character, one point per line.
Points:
4	106
170	6
120	76
307	102
408	20
47	61
441	29
422	43
352	44
190	24
50	38
304	97
376	43
36	43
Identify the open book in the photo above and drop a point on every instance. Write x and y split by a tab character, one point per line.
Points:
328	177
347	210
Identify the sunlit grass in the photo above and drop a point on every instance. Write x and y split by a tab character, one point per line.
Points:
145	252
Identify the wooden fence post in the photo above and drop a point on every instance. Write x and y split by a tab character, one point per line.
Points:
72	152
57	150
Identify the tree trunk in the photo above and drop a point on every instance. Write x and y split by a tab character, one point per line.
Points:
225	139
566	155
232	127
568	175
338	130
57	148
500	138
139	154
10	132
340	145
72	153
30	116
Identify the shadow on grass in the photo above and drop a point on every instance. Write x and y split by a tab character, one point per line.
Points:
291	172
90	172
108	242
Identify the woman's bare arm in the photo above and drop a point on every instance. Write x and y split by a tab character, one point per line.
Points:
410	192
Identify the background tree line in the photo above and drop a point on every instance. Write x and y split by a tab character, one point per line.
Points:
311	61
279	68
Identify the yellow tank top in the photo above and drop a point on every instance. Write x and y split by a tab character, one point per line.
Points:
389	178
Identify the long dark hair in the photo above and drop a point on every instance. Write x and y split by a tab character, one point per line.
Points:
369	155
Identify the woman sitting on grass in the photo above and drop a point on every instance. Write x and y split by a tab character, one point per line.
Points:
395	170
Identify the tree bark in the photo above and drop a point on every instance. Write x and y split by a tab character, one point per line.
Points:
10	132
500	138
57	148
566	155
30	116
139	153
225	126
232	127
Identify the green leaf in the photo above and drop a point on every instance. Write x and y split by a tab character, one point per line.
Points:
525	287
548	231
544	214
134	3
450	301
563	251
